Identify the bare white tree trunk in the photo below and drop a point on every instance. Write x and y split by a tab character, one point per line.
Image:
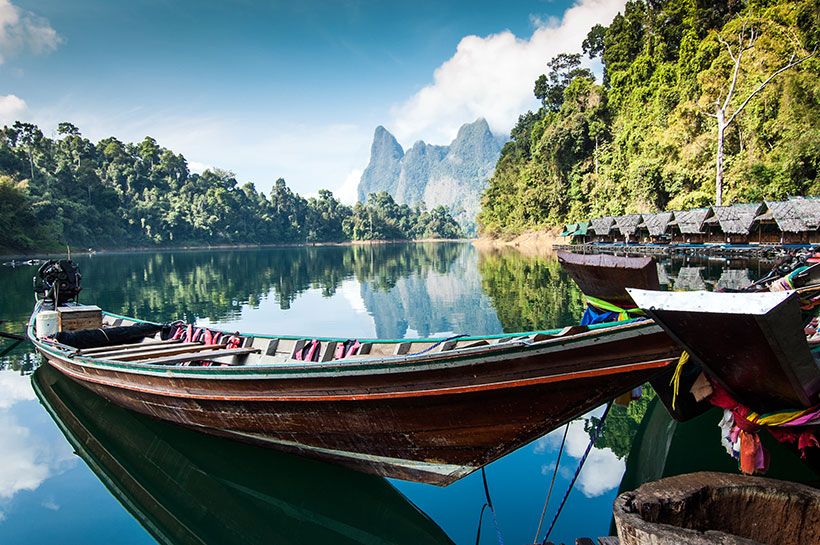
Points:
719	161
596	154
745	42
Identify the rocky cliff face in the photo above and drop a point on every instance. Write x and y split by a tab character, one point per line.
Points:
453	176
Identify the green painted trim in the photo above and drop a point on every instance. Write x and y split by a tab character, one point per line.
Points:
273	370
390	341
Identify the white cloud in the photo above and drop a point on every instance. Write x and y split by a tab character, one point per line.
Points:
12	108
602	471
347	192
21	30
28	460
14	387
198	167
492	76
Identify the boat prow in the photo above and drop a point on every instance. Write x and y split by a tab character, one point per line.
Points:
752	343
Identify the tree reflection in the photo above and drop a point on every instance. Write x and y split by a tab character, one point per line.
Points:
529	292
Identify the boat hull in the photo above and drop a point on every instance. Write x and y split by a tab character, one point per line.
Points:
187	488
433	422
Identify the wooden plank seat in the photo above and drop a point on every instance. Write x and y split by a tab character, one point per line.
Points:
99	349
182	358
140	348
170	351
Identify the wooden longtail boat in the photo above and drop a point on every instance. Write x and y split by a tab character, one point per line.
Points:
606	277
429	410
190	488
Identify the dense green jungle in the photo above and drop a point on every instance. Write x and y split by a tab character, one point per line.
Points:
70	191
646	138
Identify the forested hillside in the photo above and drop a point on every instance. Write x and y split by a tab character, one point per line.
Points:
69	190
646	138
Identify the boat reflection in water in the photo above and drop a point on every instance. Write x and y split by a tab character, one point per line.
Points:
186	487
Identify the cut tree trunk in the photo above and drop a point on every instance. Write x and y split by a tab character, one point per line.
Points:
718	509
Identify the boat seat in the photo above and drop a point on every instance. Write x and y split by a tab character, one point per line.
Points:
167	351
448	345
208	356
402	349
475	344
565	332
144	343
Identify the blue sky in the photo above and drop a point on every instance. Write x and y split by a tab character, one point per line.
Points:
290	89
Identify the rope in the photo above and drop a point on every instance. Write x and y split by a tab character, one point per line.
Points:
675	382
438	343
487	503
623	313
552	483
594	437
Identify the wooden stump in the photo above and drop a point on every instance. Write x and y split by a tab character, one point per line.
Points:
718	509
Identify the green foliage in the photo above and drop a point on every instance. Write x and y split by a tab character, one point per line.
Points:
381	218
643	141
529	293
622	424
112	194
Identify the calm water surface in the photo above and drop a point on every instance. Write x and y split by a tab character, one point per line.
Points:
74	469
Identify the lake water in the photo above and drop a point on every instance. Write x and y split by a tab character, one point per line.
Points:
74	469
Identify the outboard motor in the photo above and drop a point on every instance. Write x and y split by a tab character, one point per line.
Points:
58	281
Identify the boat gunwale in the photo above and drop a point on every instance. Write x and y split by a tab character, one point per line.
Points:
343	367
552	331
348	367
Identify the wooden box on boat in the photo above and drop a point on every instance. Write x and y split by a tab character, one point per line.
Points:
78	317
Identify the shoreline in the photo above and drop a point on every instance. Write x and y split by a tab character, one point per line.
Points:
196	247
529	242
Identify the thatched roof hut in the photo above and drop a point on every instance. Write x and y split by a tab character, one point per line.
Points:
656	224
602	226
810	209
690	222
796	215
737	219
628	224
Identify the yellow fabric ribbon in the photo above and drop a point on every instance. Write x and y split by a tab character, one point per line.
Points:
675	382
778	418
623	313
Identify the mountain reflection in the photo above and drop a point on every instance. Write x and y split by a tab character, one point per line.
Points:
186	487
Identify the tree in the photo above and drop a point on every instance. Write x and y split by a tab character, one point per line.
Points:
30	136
563	68
747	37
593	44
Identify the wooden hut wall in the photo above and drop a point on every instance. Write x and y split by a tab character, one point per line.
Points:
627	227
797	220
